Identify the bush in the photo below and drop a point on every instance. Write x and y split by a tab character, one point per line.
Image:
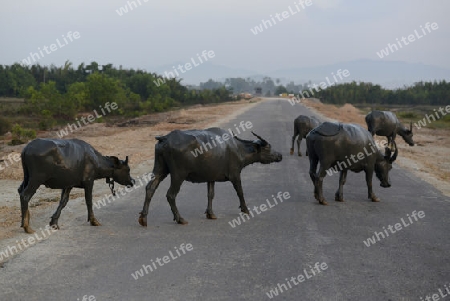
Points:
408	115
21	135
47	120
5	126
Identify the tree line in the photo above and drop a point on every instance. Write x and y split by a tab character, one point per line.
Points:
423	93
420	93
57	94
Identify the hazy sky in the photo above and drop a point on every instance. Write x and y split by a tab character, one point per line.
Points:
162	32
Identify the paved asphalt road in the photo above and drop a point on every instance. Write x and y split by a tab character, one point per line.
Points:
264	253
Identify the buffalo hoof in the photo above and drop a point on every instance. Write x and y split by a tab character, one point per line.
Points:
306	154
211	216
291	151
323	203
338	199
94	222
28	230
375	199
143	221
299	154
54	226
182	221
245	210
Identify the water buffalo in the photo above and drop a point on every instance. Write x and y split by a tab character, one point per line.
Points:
194	156
302	125
342	147
385	123
65	164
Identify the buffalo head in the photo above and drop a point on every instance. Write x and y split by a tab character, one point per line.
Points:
383	166
266	155
121	172
408	135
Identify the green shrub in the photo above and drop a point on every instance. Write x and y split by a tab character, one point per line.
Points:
21	135
409	115
5	126
47	120
446	118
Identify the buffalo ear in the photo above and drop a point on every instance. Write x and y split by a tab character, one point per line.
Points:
115	161
258	146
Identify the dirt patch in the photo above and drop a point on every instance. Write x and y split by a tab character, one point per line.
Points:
428	159
134	138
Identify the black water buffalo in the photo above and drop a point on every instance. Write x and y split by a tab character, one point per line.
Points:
342	147
385	123
199	156
302	125
65	164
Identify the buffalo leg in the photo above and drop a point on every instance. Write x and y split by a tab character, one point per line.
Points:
299	141
293	139
339	196
321	175
371	195
209	212
88	196
149	191
313	162
238	187
171	195
26	193
62	203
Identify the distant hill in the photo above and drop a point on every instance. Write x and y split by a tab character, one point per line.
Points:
389	74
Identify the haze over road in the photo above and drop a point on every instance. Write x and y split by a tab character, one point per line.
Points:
251	259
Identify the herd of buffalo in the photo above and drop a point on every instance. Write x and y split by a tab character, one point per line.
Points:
68	163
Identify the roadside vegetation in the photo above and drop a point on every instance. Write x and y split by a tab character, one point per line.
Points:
40	97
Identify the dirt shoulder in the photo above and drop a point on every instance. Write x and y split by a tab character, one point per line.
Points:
134	138
429	159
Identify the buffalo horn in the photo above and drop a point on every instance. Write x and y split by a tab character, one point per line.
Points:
260	138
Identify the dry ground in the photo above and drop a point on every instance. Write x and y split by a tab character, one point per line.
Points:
429	159
134	138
